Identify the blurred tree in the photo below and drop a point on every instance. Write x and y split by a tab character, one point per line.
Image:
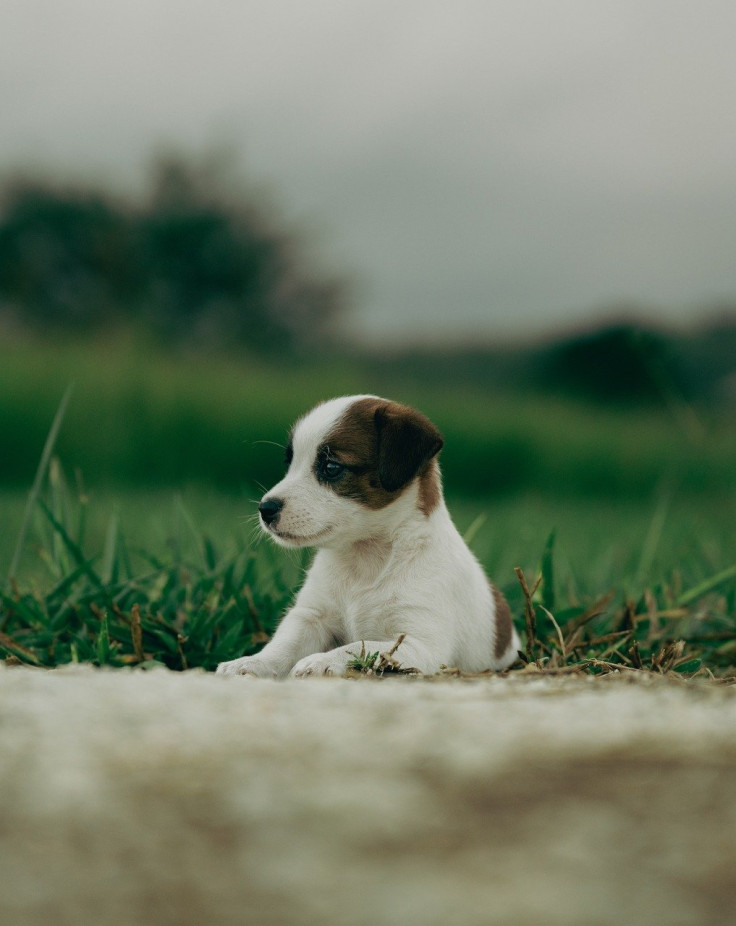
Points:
708	354
215	270
65	256
193	264
619	363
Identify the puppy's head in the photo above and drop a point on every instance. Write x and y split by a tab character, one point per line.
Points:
352	463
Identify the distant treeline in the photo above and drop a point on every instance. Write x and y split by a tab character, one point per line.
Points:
193	262
619	362
197	263
157	418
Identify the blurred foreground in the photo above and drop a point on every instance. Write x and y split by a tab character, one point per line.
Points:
163	798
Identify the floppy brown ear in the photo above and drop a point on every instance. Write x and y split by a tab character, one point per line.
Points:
407	440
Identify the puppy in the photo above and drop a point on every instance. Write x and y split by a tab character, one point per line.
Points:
363	486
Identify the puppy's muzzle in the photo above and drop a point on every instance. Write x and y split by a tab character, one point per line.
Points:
270	509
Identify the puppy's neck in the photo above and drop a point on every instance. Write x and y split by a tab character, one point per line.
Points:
402	532
365	560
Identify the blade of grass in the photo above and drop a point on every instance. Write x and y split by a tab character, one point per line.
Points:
560	638
66	582
476	525
706	586
72	547
529	611
48	449
20	652
103	641
58	491
653	537
136	632
188	520
548	574
82	503
110	549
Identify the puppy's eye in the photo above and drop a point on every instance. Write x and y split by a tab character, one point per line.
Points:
289	455
331	469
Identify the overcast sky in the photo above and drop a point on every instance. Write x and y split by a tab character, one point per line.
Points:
493	168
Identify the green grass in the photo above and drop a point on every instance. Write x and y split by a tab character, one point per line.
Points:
156	590
628	517
179	579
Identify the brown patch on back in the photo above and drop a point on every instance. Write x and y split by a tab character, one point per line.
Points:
503	623
385	446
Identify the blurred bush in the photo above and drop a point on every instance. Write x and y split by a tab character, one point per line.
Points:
195	263
618	364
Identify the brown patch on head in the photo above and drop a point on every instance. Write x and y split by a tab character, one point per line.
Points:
384	446
503	623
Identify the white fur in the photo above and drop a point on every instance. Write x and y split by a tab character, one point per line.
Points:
377	574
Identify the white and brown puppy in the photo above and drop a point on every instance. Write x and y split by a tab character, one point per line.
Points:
363	485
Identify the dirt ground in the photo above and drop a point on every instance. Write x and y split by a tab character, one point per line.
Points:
161	798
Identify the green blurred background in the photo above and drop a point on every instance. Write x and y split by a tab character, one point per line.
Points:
193	336
500	244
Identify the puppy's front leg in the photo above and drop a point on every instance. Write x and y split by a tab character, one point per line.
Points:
410	654
302	631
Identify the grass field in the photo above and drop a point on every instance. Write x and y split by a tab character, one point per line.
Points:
141	546
145	577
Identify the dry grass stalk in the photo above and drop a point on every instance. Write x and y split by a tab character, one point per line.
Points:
136	632
530	614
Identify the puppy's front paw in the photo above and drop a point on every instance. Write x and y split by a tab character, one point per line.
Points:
247	665
320	664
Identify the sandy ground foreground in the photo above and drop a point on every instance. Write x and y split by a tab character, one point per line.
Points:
162	798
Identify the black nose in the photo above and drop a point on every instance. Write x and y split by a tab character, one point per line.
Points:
270	509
